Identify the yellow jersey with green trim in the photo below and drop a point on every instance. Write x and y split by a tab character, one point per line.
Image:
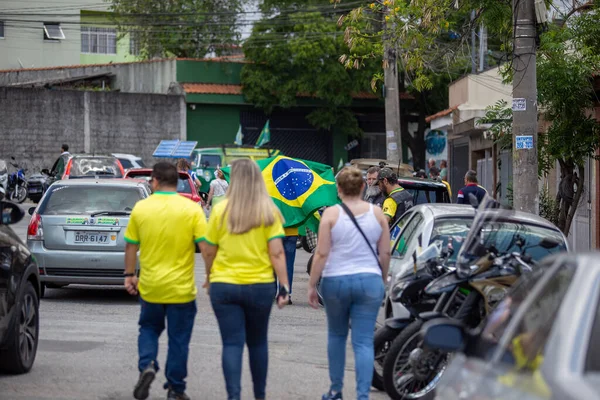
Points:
242	259
397	203
167	227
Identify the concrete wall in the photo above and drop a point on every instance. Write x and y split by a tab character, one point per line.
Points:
476	92
24	46
137	77
34	123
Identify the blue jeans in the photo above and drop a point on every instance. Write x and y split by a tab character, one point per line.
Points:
352	299
243	313
289	246
180	321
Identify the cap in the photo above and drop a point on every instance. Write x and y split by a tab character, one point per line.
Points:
386	173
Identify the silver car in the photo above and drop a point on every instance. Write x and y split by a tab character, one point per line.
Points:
540	342
76	231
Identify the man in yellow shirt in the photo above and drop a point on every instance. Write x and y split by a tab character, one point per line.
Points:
398	200
165	229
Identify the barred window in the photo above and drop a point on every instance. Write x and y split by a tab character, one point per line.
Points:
96	40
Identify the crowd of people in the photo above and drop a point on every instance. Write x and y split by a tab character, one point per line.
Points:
249	265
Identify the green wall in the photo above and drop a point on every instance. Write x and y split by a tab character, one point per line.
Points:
209	72
88	18
211	124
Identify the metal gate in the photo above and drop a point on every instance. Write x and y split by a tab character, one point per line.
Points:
290	132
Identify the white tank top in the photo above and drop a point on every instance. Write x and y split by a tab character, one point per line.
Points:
350	252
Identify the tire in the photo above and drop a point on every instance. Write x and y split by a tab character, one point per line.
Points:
19	196
18	358
384	336
408	340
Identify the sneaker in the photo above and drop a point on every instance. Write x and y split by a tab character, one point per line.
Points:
142	387
173	395
290	300
330	396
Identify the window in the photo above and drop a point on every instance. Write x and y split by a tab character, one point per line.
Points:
126	163
98	40
408	234
53	31
86	167
65	199
453	231
2	29
183	185
210	161
134	44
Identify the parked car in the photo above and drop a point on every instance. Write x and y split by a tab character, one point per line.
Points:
185	185
129	161
540	342
76	231
69	166
19	296
37	184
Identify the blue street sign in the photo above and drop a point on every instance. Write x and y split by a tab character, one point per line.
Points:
174	149
524	142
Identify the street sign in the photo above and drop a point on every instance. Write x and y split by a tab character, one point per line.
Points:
524	142
351	145
174	149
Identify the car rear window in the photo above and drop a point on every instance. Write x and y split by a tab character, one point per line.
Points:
183	185
86	167
126	163
424	196
79	199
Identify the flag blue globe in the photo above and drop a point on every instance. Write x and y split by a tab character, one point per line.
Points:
435	142
292	178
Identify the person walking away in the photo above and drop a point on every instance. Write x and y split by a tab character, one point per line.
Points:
471	187
289	247
164	228
184	165
444	170
373	193
243	249
434	175
218	188
398	200
64	150
350	237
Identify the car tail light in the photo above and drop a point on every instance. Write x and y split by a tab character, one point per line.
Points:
68	169
34	230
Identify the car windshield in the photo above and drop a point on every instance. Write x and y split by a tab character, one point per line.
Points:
433	195
97	166
80	199
451	232
506	237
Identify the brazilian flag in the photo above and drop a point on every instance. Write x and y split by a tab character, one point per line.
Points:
298	188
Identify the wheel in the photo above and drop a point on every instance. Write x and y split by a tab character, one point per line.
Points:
19	194
407	368
22	344
42	290
381	342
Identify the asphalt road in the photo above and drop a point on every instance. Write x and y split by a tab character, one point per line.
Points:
88	348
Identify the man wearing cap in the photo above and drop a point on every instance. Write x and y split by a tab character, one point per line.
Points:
398	200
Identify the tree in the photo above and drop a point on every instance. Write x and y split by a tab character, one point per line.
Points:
294	50
180	28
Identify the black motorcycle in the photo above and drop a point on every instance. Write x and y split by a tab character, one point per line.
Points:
467	293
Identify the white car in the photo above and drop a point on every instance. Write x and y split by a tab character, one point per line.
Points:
129	161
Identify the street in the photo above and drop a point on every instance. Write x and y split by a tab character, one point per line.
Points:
88	347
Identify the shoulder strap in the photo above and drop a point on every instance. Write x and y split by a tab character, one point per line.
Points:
349	213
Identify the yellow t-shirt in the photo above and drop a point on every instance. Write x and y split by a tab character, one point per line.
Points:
242	259
389	204
166	226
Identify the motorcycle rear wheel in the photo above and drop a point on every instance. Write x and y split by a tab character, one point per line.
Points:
18	194
384	336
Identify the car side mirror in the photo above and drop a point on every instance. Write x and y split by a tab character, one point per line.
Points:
444	334
11	213
31	210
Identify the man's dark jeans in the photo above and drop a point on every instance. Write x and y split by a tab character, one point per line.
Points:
289	246
243	314
180	321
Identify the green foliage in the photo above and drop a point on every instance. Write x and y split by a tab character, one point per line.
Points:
180	28
296	54
499	115
548	206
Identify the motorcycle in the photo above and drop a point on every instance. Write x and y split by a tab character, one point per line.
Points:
17	184
409	291
467	293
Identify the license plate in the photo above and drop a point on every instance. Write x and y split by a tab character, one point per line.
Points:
94	238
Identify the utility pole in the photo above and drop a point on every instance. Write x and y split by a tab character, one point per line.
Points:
393	135
525	162
473	44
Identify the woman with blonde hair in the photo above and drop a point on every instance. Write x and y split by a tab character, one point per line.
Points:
353	257
244	248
